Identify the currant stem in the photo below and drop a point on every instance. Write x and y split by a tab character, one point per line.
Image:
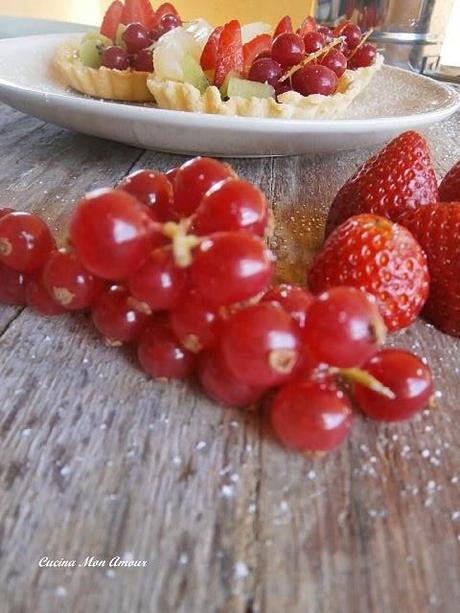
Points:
363	40
356	375
182	243
311	57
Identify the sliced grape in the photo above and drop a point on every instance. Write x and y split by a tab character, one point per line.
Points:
224	86
90	53
251	30
193	73
249	89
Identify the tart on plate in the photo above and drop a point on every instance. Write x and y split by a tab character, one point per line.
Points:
252	71
114	62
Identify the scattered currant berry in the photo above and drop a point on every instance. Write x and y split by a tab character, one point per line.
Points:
233	204
12	286
193	179
265	70
261	344
363	57
294	300
314	79
194	322
344	327
327	34
162	356
111	234
38	298
313	41
406	376
69	283
115	58
159	282
288	49
136	37
25	241
116	316
154	190
230	267
143	61
220	385
5	211
311	416
335	61
352	34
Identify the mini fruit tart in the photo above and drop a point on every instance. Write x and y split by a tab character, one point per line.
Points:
114	62
311	73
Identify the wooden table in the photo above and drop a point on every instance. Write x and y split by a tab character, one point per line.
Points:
97	460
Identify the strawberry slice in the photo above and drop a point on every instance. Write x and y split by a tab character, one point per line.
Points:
149	18
285	25
254	48
208	58
308	25
229	52
112	19
398	179
133	12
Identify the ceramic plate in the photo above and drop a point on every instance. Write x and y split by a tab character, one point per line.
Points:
395	101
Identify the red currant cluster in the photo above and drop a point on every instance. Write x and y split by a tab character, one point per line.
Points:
311	60
177	264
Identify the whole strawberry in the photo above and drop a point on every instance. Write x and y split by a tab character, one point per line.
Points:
380	257
449	189
437	227
399	178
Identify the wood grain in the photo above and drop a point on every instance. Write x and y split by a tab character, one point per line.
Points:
98	460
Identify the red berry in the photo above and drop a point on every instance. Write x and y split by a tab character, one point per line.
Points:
116	316
12	286
449	188
136	37
193	179
25	241
171	174
335	61
233	204
111	234
230	267
327	34
314	79
220	385
38	298
162	356
115	58
194	322
311	416
143	61
352	34
363	57
69	283
153	189
344	327
169	22
294	300
313	41
159	282
265	70
406	376
261	344
288	49
5	211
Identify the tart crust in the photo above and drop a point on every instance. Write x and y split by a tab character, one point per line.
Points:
292	105
127	85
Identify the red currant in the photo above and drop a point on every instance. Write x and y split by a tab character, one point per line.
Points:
136	37
261	344
314	79
193	179
406	376
230	267
38	298
327	34
220	385
116	316
335	61
115	58
153	189
313	41
288	49
69	283
171	174
143	61
233	204
352	34
111	234
5	211
265	70
159	282
194	322
294	300
344	327
169	22
12	286
311	416
363	57
162	356
25	241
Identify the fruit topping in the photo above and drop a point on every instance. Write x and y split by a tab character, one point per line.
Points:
229	52
314	79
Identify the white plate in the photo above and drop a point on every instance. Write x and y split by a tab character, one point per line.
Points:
395	101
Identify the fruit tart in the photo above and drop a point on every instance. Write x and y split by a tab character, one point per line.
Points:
253	71
114	62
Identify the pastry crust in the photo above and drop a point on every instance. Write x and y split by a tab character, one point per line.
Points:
127	85
185	97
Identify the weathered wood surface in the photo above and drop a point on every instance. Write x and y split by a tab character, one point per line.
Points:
95	459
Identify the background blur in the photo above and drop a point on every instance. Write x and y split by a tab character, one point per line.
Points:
215	11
